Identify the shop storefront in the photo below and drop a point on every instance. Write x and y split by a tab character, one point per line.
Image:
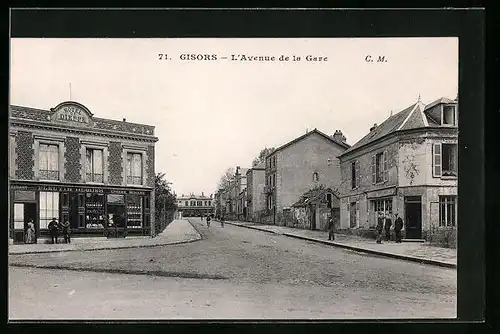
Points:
91	211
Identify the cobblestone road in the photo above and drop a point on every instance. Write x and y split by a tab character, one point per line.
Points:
245	273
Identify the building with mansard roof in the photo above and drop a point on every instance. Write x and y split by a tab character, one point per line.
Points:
406	165
98	174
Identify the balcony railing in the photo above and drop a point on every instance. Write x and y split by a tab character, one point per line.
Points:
134	180
93	177
49	174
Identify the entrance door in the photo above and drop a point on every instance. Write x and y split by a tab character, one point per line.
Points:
313	216
413	215
23	213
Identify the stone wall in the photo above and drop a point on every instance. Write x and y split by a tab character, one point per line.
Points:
72	160
25	155
115	163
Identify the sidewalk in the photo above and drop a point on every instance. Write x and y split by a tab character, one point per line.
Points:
178	231
416	252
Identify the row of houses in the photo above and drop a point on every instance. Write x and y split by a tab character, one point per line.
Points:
407	165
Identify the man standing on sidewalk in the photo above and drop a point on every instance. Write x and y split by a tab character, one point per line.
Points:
53	229
387	227
398	226
331	235
379	228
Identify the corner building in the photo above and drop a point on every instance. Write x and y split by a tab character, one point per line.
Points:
96	173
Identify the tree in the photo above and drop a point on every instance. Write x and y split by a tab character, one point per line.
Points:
262	156
165	200
226	178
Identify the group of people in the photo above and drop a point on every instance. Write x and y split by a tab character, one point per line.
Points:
209	219
386	226
56	227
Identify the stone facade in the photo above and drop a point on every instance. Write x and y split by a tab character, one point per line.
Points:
72	160
25	155
150	166
297	167
115	163
256	199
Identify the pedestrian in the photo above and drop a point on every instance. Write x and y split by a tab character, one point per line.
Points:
387	227
66	231
222	221
379	228
30	232
201	217
208	221
331	227
398	226
53	230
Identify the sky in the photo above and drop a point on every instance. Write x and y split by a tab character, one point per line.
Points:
210	115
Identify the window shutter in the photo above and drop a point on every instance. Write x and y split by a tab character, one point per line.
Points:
386	169
436	160
374	176
358	177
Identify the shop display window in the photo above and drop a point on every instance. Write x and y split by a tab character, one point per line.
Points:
134	211
94	211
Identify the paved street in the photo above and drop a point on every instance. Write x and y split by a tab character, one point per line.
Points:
233	272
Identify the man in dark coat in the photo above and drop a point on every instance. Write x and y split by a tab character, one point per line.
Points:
53	229
398	226
66	231
387	227
331	227
379	228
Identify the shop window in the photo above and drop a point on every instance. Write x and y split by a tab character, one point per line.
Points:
134	168
94	211
48	166
94	165
18	216
134	211
382	207
49	207
447	211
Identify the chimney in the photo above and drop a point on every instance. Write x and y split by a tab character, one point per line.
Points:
211	196
124	119
339	136
202	194
237	170
373	127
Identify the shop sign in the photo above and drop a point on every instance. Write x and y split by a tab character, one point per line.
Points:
72	113
382	193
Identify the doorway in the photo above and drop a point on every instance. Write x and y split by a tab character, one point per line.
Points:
313	216
23	213
413	217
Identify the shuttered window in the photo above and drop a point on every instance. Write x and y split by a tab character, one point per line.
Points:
436	160
374	170
386	169
358	176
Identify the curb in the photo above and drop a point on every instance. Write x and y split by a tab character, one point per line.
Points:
364	250
111	248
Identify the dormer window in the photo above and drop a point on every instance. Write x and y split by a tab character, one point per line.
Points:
449	115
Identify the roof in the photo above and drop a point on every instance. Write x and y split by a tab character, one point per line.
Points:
412	117
313	195
342	144
260	166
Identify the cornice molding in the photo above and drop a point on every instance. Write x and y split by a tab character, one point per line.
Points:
90	131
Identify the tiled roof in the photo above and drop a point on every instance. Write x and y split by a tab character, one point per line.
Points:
344	145
412	117
388	126
312	195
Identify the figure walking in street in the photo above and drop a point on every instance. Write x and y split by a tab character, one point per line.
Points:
30	232
53	230
65	227
208	221
398	226
222	221
387	227
331	227
379	228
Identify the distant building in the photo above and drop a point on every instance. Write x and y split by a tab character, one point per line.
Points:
406	165
195	205
298	166
256	198
96	173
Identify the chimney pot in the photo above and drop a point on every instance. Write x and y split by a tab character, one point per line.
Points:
124	119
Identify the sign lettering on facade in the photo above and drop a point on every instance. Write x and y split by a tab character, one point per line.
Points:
71	114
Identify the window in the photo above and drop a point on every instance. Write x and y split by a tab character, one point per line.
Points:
379	167
19	216
274	180
193	203
94	164
315	177
447	211
49	207
354	215
199	203
329	200
445	162
383	207
49	162
354	174
186	203
270	202
448	115
134	168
